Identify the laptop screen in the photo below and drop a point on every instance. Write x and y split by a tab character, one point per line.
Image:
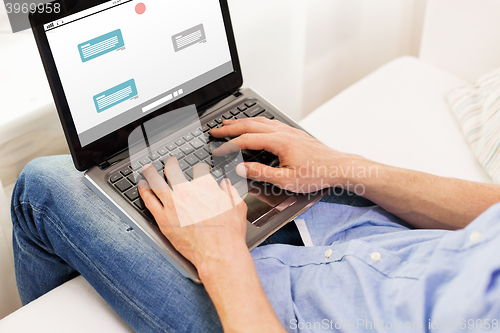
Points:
122	60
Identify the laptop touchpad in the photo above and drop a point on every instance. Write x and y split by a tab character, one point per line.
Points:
264	201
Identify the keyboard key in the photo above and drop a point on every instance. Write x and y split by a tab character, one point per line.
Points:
246	155
212	124
177	154
115	177
164	159
234	112
136	166
158	165
183	165
233	177
145	161
219	119
227	115
187	149
198	132
201	154
242	107
126	171
197	143
188	137
132	194
209	161
134	179
123	185
189	174
264	159
162	152
154	156
268	115
250	103
140	204
241	116
205	128
179	142
255	111
217	173
237	161
171	146
191	159
151	217
227	167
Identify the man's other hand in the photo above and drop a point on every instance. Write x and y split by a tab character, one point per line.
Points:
306	165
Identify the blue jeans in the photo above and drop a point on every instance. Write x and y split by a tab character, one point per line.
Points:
62	229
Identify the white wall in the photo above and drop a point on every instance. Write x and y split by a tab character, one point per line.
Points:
299	53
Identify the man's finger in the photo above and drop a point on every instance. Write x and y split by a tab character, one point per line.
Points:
150	200
173	172
238	127
230	190
264	173
270	142
156	183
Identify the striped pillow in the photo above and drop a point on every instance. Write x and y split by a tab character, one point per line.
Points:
477	108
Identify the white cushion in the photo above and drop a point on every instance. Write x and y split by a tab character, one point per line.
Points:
73	307
477	108
398	115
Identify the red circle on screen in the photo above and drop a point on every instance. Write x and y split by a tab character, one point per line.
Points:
140	8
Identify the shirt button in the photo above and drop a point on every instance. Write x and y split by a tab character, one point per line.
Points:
475	236
376	256
328	253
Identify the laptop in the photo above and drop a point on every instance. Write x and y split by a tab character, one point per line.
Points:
138	81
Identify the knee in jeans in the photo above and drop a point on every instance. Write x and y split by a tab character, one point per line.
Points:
40	175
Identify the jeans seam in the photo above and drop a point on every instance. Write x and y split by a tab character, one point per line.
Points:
62	234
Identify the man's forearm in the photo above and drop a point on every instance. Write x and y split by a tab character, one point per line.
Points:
424	200
234	287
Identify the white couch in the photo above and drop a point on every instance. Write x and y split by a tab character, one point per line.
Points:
397	115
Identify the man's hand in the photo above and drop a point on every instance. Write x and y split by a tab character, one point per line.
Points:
306	165
423	200
203	221
207	224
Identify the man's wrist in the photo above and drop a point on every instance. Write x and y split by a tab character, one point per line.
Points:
233	257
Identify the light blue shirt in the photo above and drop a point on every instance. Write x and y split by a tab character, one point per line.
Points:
368	272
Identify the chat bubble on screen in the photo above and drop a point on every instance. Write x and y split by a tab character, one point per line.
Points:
115	95
189	37
101	45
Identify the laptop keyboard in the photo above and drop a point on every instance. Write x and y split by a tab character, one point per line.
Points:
190	149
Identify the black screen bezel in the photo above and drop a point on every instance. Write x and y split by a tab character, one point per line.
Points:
100	150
